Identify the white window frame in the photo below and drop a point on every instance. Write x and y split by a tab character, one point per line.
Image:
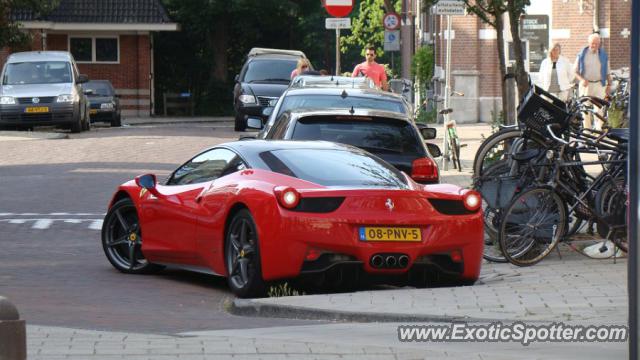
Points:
93	47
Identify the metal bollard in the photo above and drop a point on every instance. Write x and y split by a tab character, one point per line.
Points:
13	334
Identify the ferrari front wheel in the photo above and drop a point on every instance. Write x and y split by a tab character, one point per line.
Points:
122	239
242	256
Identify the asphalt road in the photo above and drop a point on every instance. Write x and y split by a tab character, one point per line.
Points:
53	196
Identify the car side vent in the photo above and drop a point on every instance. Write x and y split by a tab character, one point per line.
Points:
450	207
319	204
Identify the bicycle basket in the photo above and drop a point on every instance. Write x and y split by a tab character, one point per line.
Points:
498	191
539	109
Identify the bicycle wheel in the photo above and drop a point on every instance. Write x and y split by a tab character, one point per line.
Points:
492	251
493	149
532	225
611	206
455	152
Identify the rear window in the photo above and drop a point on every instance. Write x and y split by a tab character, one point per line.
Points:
37	72
269	70
330	167
337	101
374	135
99	88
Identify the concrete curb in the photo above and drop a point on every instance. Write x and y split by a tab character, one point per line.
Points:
250	308
34	135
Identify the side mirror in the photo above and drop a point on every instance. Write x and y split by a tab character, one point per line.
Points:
254	123
266	112
433	149
82	78
148	182
236	78
427	132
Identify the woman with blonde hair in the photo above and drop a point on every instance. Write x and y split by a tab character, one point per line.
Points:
556	73
303	65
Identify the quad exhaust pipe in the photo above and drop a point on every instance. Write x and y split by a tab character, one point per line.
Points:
389	261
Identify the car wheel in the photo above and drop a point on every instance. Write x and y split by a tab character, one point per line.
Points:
240	123
122	239
77	125
116	121
242	257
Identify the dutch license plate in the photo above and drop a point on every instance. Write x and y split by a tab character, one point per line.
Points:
93	111
36	109
390	234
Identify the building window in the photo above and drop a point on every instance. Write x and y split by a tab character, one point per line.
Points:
95	49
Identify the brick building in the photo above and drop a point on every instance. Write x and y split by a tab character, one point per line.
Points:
110	39
474	60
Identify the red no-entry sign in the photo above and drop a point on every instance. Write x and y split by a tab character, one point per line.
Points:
338	8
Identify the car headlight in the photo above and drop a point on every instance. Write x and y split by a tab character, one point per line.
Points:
107	106
7	100
247	99
65	98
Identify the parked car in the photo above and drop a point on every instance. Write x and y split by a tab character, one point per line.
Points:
105	104
265	75
43	88
315	96
392	136
332	81
257	211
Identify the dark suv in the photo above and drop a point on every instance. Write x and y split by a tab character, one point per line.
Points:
392	136
264	77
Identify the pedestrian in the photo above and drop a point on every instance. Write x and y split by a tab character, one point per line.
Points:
371	69
556	73
592	71
303	65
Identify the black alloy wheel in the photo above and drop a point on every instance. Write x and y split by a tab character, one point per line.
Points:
122	239
242	257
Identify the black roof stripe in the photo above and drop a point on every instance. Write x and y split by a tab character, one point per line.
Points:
101	11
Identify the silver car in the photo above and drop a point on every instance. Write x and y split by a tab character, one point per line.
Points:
43	88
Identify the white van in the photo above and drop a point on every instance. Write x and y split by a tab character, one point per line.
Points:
43	88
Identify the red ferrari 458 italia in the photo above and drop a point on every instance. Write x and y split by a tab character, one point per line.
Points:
257	211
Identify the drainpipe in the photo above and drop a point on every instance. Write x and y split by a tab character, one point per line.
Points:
596	5
43	39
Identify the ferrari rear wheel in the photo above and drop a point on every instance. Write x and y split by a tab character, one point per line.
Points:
242	256
122	239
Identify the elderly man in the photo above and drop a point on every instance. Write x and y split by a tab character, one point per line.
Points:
592	71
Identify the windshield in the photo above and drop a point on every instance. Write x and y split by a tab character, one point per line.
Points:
269	70
98	88
377	135
40	72
337	101
331	167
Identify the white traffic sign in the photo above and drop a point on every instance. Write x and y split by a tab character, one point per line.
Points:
450	7
392	40
391	21
337	23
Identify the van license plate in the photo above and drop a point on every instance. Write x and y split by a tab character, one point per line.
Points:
36	109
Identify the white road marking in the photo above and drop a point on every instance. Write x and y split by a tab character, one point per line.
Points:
51	214
42	224
47	223
96	225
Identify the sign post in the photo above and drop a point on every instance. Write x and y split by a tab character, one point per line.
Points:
448	8
339	9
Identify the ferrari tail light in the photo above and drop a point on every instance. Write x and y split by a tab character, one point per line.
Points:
424	170
288	197
456	256
472	200
313	254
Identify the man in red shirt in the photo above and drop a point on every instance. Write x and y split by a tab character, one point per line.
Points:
372	69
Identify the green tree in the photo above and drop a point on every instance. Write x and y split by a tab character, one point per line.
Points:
11	33
422	68
367	28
